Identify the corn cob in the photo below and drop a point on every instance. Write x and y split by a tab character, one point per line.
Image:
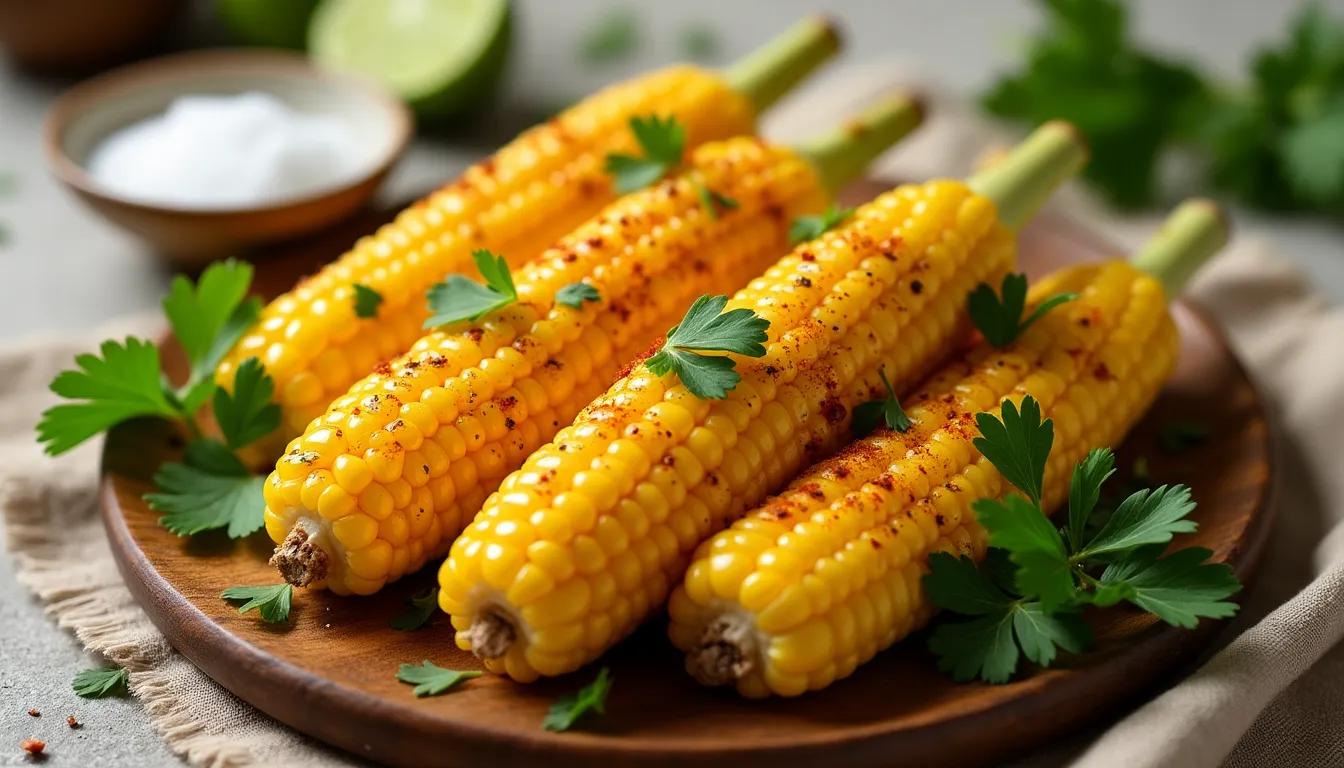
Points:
516	203
801	591
586	540
389	475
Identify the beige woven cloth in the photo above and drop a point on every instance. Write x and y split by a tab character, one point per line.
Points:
1273	696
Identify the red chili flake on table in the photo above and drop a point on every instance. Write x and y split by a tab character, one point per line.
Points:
71	721
32	746
34	713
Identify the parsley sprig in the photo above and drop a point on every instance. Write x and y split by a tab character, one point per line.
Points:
431	680
366	301
888	410
271	601
1000	320
590	698
707	328
811	227
1027	599
574	294
458	298
422	607
98	683
210	488
663	141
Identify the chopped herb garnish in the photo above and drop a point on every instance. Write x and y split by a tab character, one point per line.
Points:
1027	598
247	414
431	680
811	227
739	331
713	202
366	301
868	415
1000	320
574	294
590	698
458	298
663	142
422	607
271	601
98	683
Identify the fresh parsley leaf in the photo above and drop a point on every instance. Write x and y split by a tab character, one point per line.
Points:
1018	444
1033	544
574	294
811	227
1146	517
999	320
867	415
955	584
699	42
739	331
272	601
124	383
713	202
1085	491
615	37
422	605
198	313
987	647
366	301
1179	588
431	680
458	298
590	698
97	683
211	489
247	414
663	142
1180	436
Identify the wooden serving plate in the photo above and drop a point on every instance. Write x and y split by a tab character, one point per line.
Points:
329	671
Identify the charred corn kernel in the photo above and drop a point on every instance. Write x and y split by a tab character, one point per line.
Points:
890	500
943	234
517	202
649	256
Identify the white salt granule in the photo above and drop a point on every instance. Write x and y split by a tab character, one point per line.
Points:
220	152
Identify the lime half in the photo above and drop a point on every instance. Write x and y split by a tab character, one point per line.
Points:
442	56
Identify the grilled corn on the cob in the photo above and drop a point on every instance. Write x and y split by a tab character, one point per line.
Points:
515	203
393	470
801	591
587	539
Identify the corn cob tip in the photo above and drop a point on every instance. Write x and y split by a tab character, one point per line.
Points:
491	635
841	155
725	653
299	559
771	71
1074	135
1194	232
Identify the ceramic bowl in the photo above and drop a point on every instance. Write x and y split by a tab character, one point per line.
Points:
88	113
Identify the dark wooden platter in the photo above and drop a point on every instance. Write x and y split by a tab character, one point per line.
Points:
329	672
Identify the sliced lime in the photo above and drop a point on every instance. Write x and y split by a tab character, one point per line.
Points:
275	23
442	56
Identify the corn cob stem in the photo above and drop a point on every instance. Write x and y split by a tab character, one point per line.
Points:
771	71
1196	230
840	156
1021	183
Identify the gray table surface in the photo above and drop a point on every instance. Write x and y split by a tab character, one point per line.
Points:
65	269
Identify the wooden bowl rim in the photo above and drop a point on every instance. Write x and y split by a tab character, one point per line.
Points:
187	67
295	689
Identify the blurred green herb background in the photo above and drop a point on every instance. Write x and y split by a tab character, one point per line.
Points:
1274	142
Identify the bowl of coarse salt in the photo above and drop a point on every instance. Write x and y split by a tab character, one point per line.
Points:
209	153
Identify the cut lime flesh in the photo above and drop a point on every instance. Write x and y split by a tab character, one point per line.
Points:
438	55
